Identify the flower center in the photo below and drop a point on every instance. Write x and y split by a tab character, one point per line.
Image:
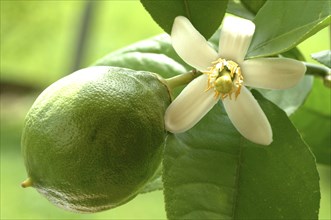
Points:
225	77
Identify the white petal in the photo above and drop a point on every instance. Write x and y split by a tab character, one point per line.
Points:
236	35
190	106
272	73
190	45
247	116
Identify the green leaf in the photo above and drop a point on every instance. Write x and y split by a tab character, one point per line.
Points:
281	25
211	172
294	53
253	5
153	55
290	99
315	130
313	121
205	15
323	57
319	99
236	8
46	20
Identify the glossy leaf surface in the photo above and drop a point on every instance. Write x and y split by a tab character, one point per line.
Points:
281	25
205	15
211	172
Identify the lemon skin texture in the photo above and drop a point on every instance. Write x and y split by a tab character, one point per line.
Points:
94	138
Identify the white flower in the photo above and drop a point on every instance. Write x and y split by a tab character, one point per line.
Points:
226	74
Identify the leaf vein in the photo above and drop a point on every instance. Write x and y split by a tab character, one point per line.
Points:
262	44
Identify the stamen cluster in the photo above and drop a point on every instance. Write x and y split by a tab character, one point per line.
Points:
225	77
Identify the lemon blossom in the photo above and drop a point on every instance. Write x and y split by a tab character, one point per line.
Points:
225	77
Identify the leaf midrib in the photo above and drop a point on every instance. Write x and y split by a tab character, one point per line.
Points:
235	187
316	22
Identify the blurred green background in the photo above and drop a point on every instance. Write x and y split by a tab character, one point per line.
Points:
41	41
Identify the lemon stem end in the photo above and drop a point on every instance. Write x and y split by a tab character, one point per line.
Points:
26	183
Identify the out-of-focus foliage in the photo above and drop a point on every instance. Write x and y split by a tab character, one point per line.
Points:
36	42
40	39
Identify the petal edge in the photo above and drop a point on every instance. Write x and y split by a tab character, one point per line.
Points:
190	45
272	73
248	118
236	36
190	106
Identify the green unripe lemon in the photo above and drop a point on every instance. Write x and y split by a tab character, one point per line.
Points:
93	139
